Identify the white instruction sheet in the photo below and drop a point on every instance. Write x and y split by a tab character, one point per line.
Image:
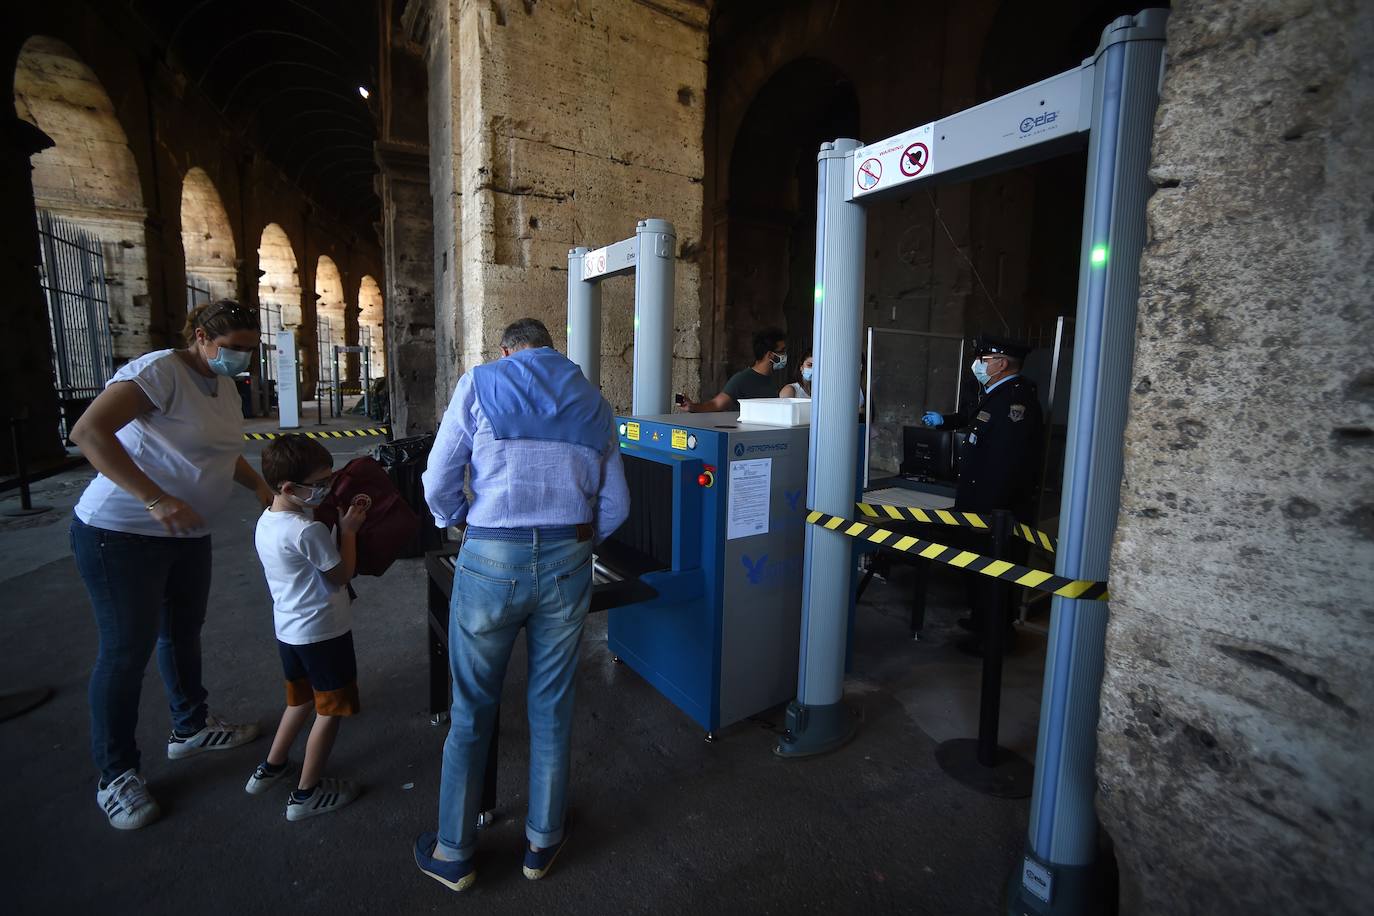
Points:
750	485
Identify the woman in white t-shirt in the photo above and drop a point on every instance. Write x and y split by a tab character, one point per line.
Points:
166	435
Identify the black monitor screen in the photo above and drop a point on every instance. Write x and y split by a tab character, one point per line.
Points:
927	453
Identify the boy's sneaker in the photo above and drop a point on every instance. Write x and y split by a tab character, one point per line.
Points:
217	735
126	802
328	795
456	876
265	777
537	864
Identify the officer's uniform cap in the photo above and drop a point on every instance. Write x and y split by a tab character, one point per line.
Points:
1000	346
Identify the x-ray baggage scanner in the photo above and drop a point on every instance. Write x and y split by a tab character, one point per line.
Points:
1107	104
717	513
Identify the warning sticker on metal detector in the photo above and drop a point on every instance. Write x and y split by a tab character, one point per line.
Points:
894	161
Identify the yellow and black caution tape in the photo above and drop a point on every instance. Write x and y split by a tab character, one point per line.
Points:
1084	589
325	434
1026	533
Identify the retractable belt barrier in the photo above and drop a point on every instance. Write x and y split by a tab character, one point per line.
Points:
327	434
1032	536
1084	589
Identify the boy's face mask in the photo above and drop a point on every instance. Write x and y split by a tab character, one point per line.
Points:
308	495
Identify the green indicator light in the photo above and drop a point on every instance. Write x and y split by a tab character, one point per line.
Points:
1099	255
819	293
636	322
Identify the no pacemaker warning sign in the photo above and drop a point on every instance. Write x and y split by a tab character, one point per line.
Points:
914	159
888	164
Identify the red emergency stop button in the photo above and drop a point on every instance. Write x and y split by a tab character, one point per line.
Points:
707	477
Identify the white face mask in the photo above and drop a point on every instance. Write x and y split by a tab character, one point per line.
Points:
980	371
315	498
779	361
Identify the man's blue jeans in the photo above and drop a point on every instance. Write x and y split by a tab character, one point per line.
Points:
148	592
507	579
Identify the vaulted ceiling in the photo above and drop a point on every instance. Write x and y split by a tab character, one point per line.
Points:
289	71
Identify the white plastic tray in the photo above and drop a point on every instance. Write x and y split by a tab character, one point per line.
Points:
776	411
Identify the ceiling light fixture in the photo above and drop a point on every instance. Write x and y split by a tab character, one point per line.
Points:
362	91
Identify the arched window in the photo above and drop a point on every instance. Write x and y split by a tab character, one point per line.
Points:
207	240
329	315
91	217
370	323
279	284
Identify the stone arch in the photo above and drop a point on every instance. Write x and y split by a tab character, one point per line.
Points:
207	240
771	211
330	327
371	316
279	284
89	177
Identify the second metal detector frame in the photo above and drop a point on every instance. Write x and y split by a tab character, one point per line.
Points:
649	254
1107	103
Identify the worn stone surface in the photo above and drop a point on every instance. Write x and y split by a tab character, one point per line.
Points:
407	217
1235	735
560	124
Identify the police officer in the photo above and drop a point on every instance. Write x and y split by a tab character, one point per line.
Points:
999	462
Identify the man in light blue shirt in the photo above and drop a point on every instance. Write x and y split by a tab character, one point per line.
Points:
535	443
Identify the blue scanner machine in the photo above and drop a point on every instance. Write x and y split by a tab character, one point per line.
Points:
716	528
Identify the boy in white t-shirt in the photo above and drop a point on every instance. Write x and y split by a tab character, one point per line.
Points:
307	575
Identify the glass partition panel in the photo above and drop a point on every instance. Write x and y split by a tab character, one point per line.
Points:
908	373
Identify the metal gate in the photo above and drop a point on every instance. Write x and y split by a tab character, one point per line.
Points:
269	318
73	281
197	292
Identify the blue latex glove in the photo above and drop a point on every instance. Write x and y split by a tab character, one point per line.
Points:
932	418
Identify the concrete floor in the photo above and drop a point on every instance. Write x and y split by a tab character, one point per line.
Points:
661	822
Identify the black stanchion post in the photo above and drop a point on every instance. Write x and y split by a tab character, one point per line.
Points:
919	587
978	762
21	469
994	644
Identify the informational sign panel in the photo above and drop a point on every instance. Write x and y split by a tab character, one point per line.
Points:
750	488
611	259
288	392
1049	112
894	160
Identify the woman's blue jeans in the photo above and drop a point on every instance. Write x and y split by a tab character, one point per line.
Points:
503	583
147	592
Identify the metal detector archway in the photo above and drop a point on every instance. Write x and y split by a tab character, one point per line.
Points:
650	256
1108	104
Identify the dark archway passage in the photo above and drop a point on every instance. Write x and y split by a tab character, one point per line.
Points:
771	209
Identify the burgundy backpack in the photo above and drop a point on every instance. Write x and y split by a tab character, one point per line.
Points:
391	526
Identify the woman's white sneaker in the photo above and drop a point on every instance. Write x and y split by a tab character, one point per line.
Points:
126	802
329	795
217	735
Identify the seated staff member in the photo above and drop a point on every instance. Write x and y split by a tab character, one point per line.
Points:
758	381
802	386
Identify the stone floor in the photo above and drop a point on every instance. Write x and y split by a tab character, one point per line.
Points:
661	821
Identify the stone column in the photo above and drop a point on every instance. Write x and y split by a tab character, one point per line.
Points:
408	238
26	375
1234	744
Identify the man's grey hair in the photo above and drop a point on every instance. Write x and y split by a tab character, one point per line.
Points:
527	332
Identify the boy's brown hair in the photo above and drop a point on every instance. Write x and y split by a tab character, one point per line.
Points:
291	459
